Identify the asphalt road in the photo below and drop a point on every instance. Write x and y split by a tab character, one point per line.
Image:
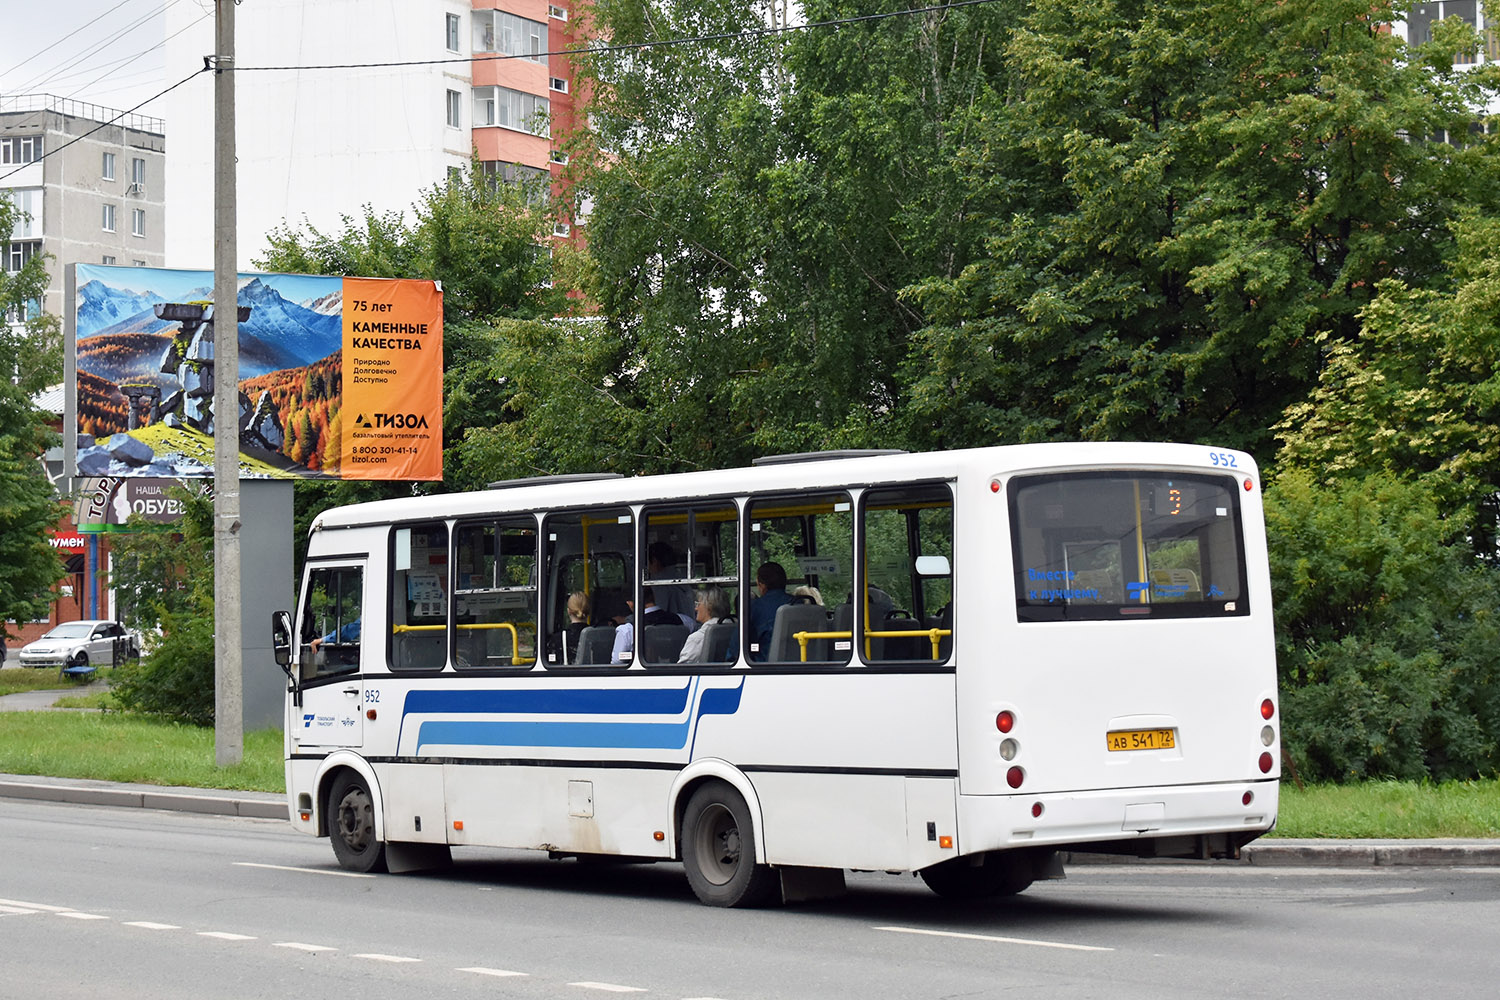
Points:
107	902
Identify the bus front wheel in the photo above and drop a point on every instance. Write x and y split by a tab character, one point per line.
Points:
718	850
996	873
351	823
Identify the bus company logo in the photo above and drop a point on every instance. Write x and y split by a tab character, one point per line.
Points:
401	421
307	720
323	721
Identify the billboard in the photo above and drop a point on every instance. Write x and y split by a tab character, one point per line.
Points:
339	378
107	504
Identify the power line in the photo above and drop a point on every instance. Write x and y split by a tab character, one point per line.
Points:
38	82
635	46
64	38
104	125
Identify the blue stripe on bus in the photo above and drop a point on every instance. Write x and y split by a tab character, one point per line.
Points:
550	701
595	735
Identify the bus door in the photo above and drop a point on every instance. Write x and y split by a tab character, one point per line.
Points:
330	650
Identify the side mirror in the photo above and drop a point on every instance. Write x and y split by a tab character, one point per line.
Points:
281	640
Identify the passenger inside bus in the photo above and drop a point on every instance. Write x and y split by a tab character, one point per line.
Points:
770	584
714	641
578	620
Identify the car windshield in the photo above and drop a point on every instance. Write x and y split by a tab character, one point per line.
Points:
72	630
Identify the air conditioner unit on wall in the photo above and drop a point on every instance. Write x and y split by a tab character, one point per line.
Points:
136	189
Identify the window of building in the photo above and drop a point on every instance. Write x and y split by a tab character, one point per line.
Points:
451	35
137	175
138	222
559	157
1423	15
558	84
28	217
561	229
18	252
108	259
506	34
21	149
107	171
419	597
513	109
138	263
107	221
454	113
495	593
560	13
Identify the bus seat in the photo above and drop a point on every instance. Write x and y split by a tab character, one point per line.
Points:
595	643
902	647
419	650
794	618
662	643
716	639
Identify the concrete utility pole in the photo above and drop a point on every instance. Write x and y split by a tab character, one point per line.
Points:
229	721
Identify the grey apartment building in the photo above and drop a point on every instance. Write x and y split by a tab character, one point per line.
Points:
89	194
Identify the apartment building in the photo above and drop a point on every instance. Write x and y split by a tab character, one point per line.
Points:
88	194
417	92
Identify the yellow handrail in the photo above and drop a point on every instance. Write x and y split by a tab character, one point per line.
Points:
935	635
515	636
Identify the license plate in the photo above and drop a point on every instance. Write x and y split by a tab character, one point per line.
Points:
1142	739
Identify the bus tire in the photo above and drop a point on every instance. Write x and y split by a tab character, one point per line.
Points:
995	873
351	824
718	850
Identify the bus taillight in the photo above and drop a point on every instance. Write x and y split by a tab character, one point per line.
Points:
1005	721
1266	760
1267	709
1016	775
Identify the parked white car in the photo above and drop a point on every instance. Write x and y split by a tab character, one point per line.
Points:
77	644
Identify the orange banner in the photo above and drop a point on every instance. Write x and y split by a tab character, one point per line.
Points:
393	380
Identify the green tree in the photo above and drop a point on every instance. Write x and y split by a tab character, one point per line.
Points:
29	509
1196	202
759	204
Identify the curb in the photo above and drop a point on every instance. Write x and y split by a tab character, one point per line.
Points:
251	805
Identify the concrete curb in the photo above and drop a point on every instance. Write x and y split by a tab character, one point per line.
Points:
257	805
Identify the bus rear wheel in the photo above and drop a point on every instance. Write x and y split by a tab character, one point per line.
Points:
351	823
718	850
995	873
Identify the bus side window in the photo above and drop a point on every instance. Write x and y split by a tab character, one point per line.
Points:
692	569
332	620
906	606
809	540
495	593
592	553
419	597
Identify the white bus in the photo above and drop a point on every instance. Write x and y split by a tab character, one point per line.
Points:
957	664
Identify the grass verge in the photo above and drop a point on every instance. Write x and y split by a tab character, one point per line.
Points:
113	747
1391	810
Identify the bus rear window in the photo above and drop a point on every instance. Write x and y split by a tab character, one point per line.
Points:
1109	545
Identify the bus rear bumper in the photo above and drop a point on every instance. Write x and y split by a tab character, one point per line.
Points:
1168	821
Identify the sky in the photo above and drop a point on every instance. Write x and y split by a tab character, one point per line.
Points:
105	52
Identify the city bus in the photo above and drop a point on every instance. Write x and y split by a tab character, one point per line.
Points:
958	664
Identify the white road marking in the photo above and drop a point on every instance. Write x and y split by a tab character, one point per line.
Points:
305	871
150	926
611	987
493	972
17	911
299	946
35	906
372	956
995	938
226	936
75	915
